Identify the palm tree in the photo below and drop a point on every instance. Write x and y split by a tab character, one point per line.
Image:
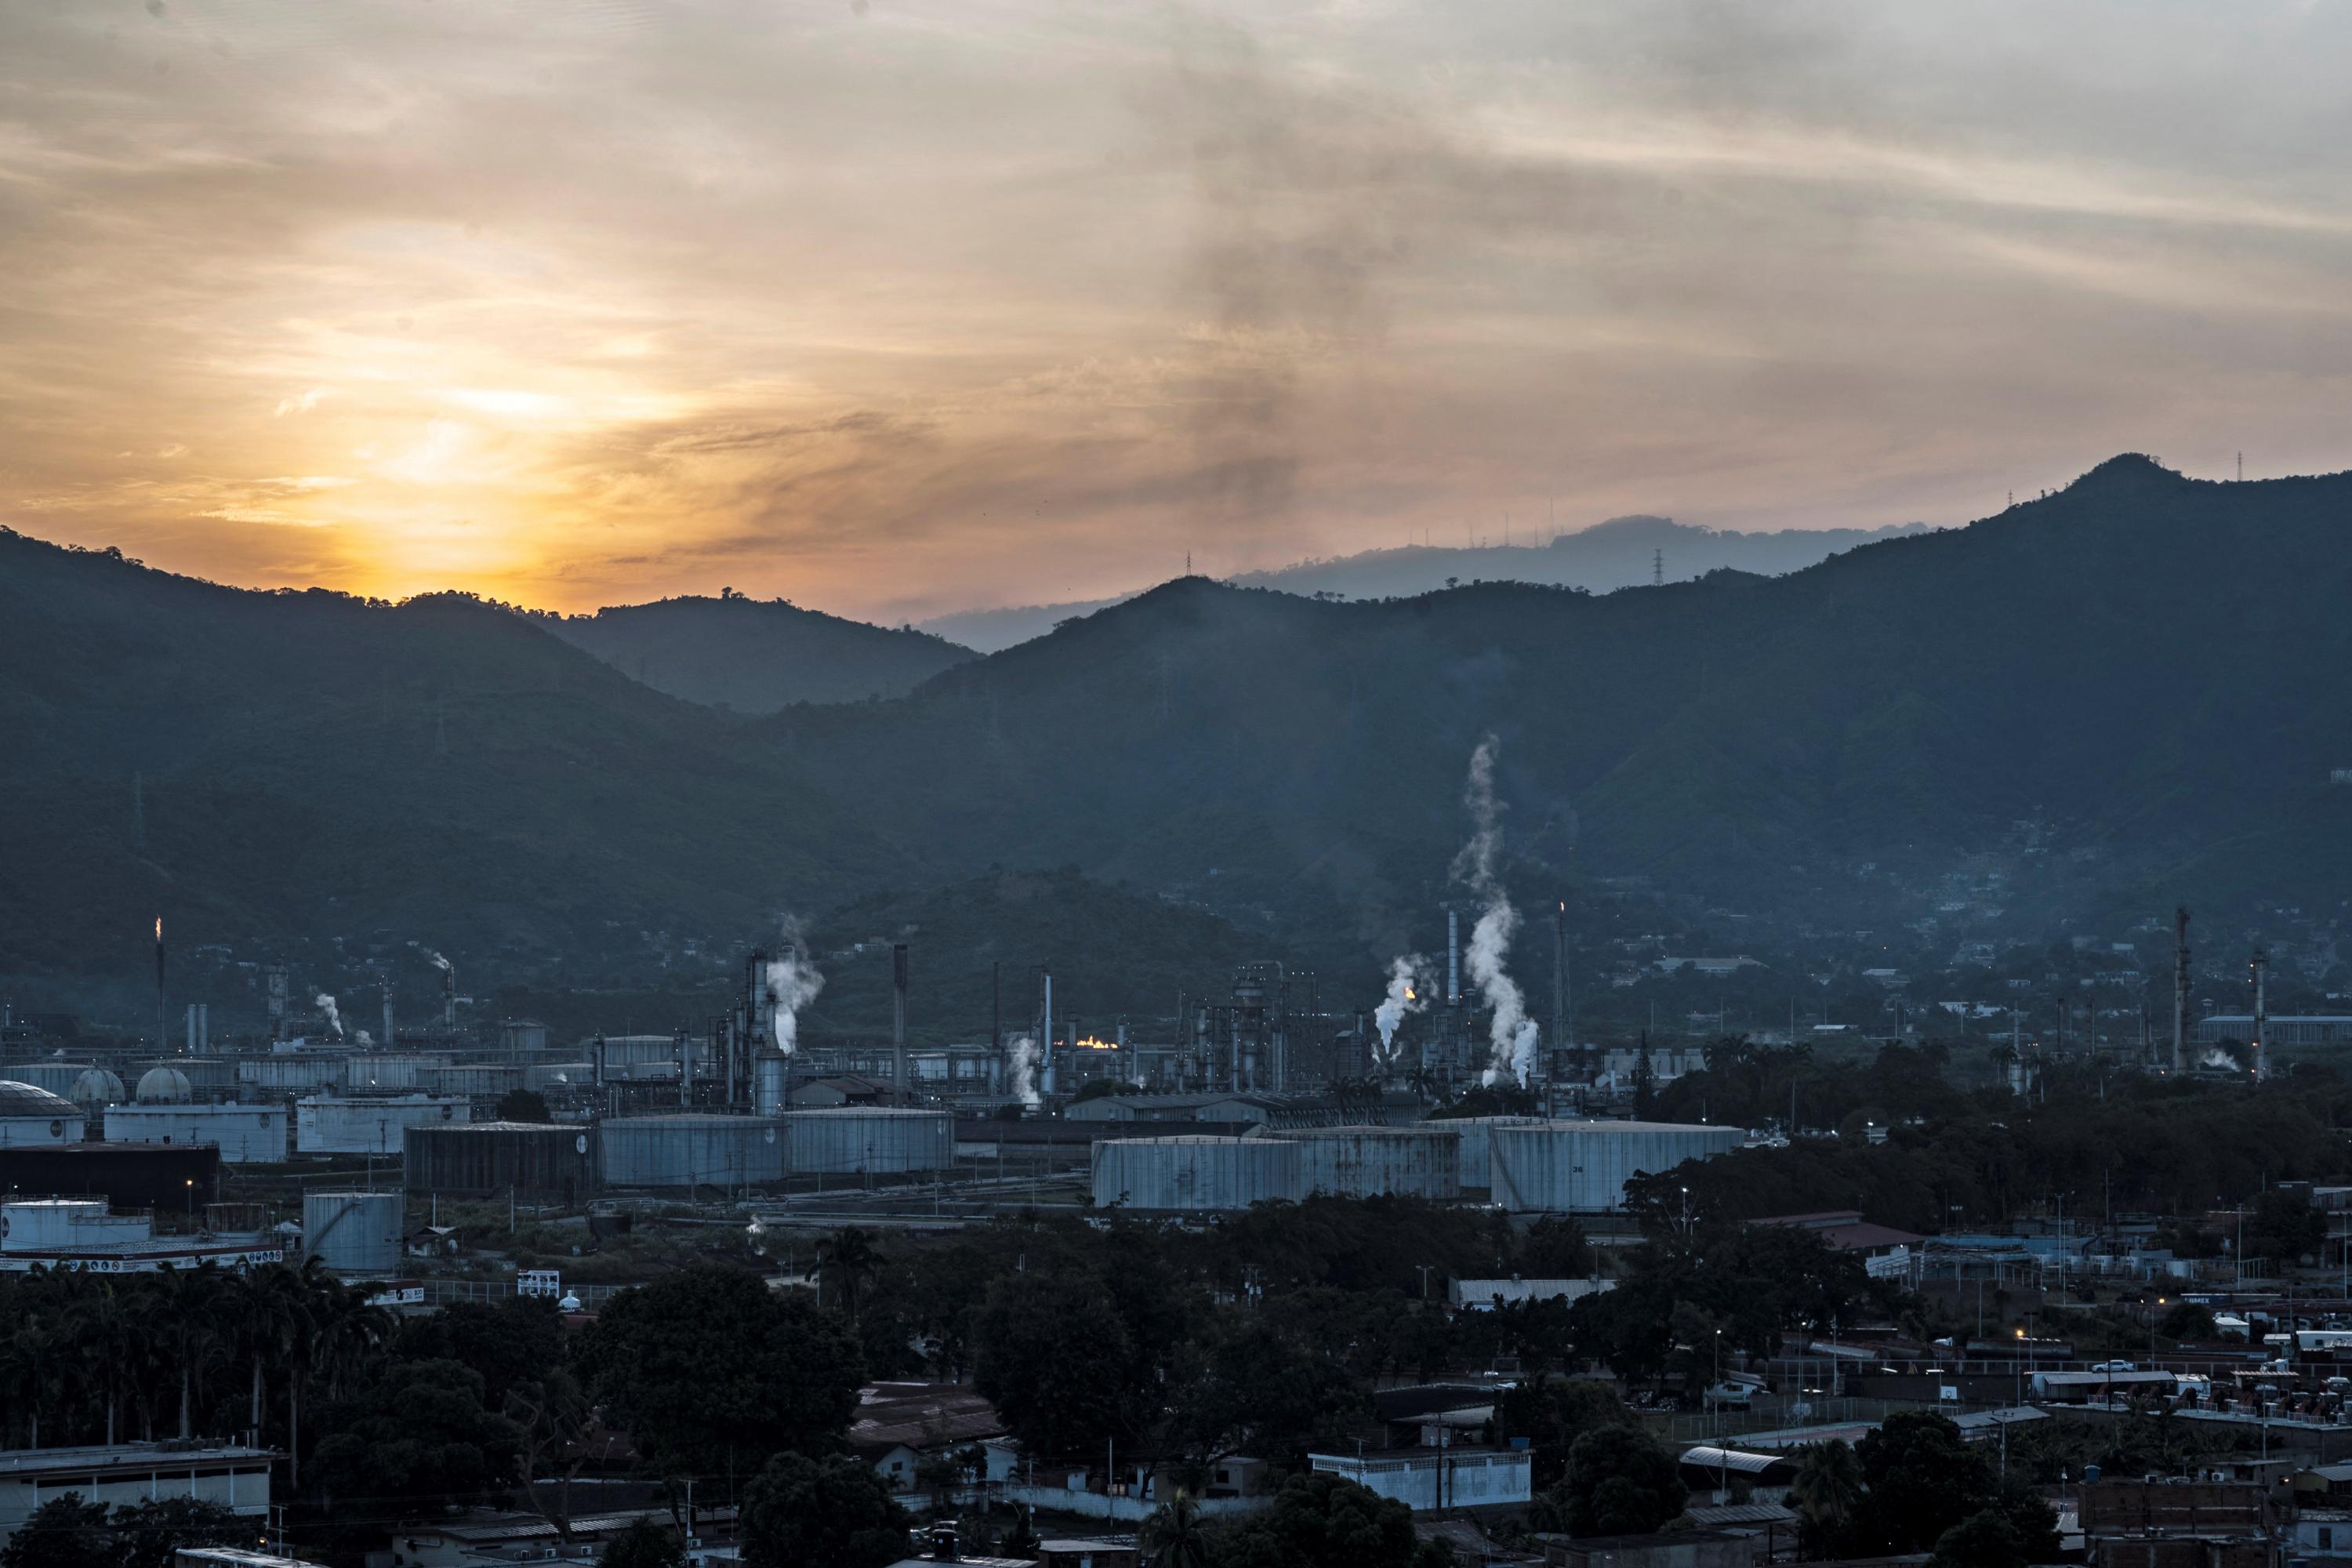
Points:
1826	1490
28	1373
262	1322
184	1306
849	1257
100	1328
1175	1535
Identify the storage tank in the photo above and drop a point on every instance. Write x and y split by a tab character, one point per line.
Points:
1188	1175
1582	1167
291	1072
689	1151
541	1161
1477	1152
541	1076
873	1140
29	1115
1423	1162
772	1073
56	1077
94	1085
208	1077
354	1233
480	1082
244	1134
380	1070
373	1124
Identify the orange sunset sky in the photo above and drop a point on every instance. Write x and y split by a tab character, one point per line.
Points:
898	308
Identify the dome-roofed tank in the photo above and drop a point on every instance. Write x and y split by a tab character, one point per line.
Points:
164	1086
23	1100
96	1086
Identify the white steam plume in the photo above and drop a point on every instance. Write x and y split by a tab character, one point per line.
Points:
1406	996
362	1039
435	959
326	1003
1511	1035
1021	1061
2219	1058
792	983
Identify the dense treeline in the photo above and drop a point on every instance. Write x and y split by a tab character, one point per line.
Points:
2125	1143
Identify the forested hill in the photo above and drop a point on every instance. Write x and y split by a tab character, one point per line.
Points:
755	656
2127	693
2133	689
255	764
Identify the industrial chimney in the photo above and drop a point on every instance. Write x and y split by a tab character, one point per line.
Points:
2180	989
898	1020
275	978
2261	966
1452	958
448	999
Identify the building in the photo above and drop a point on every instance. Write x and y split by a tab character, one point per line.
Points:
2278	1029
2178	1524
483	1537
1430	1480
1885	1252
370	1125
83	1234
898	1425
1674	1548
1486	1295
827	1093
231	1475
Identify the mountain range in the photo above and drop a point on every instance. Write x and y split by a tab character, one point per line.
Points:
2128	692
756	656
1622	552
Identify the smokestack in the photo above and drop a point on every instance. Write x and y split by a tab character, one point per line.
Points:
388	1036
996	1027
275	978
898	1019
1453	959
2180	989
204	1027
2260	966
192	1028
1045	1029
448	999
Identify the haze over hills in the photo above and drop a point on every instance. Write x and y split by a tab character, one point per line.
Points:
2131	691
755	656
1622	552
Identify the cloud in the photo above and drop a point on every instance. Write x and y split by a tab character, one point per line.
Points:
999	300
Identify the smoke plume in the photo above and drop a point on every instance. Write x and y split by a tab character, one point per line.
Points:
792	983
1020	1059
436	961
2219	1058
1406	997
325	1003
1510	1034
362	1039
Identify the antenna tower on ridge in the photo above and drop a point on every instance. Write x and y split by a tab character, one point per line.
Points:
1657	568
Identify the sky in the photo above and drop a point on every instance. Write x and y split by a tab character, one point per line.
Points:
895	308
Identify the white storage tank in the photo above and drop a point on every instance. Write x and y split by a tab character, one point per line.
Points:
690	1150
380	1070
1582	1167
1422	1161
354	1233
871	1139
480	1081
292	1073
96	1086
29	1115
373	1124
1477	1150
245	1134
1191	1175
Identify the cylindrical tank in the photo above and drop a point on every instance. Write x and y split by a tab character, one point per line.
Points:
1582	1167
870	1138
1476	1149
244	1134
771	1072
291	1072
209	1076
340	1124
482	1081
1380	1161
541	1161
354	1233
689	1151
1184	1174
57	1078
378	1070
